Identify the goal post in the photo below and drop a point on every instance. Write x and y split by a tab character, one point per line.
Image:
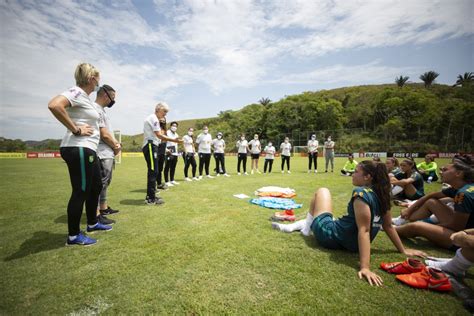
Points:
118	137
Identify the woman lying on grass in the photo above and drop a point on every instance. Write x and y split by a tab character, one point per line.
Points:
460	176
368	210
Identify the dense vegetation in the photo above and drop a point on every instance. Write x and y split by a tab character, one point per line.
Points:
392	117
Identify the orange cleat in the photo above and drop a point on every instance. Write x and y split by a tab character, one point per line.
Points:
430	278
406	267
288	215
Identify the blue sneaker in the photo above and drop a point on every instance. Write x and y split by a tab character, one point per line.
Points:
98	227
81	240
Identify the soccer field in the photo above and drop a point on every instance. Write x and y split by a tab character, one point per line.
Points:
202	252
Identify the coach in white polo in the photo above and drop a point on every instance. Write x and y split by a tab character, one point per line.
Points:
107	149
152	137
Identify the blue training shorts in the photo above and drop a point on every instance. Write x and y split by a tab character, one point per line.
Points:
323	228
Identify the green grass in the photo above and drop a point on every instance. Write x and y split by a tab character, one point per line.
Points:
203	252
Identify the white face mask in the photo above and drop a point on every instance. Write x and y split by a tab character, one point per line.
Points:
269	144
219	136
173	128
286	140
313	137
205	131
190	133
242	138
329	139
256	138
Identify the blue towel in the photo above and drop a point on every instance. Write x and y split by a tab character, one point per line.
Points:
276	203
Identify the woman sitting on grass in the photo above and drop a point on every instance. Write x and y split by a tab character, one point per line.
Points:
460	175
368	210
409	180
428	169
393	166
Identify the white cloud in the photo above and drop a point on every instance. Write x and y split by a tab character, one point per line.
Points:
224	45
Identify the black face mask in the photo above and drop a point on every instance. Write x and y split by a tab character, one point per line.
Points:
111	103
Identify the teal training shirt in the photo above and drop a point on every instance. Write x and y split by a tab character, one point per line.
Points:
395	171
417	183
346	227
463	201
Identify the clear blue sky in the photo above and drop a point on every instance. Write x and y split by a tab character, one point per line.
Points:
203	57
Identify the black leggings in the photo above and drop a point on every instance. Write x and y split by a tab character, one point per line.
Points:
170	167
242	158
161	164
269	163
313	157
189	160
287	159
150	152
86	183
220	162
204	161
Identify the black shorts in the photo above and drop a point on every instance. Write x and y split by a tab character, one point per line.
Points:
255	156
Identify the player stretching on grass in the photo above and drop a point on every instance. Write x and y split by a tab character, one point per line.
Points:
368	210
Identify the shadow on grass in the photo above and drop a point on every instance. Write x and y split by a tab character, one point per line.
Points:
335	255
139	191
63	219
39	242
133	202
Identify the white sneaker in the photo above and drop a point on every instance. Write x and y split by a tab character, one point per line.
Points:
289	171
315	171
175	182
258	171
282	171
200	178
399	221
238	173
187	179
429	179
209	176
196	179
218	175
246	174
251	172
226	175
169	184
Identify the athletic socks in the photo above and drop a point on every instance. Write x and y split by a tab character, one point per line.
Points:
306	231
289	228
72	238
396	190
457	266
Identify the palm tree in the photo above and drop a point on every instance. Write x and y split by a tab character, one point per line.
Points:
429	78
467	79
265	101
400	81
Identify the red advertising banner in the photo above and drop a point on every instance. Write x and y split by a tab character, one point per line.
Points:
55	154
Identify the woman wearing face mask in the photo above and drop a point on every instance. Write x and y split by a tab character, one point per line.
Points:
171	155
313	145
189	153
242	149
285	149
219	155
329	153
269	157
256	148
204	142
76	111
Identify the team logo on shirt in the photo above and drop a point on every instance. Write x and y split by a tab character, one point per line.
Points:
358	194
470	189
459	198
91	159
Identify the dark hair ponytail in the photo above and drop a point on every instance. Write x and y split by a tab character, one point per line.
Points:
380	182
465	164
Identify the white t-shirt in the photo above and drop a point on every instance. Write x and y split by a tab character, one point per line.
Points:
188	144
172	146
285	149
150	126
204	141
329	146
242	146
255	146
270	152
219	145
313	145
104	151
82	111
